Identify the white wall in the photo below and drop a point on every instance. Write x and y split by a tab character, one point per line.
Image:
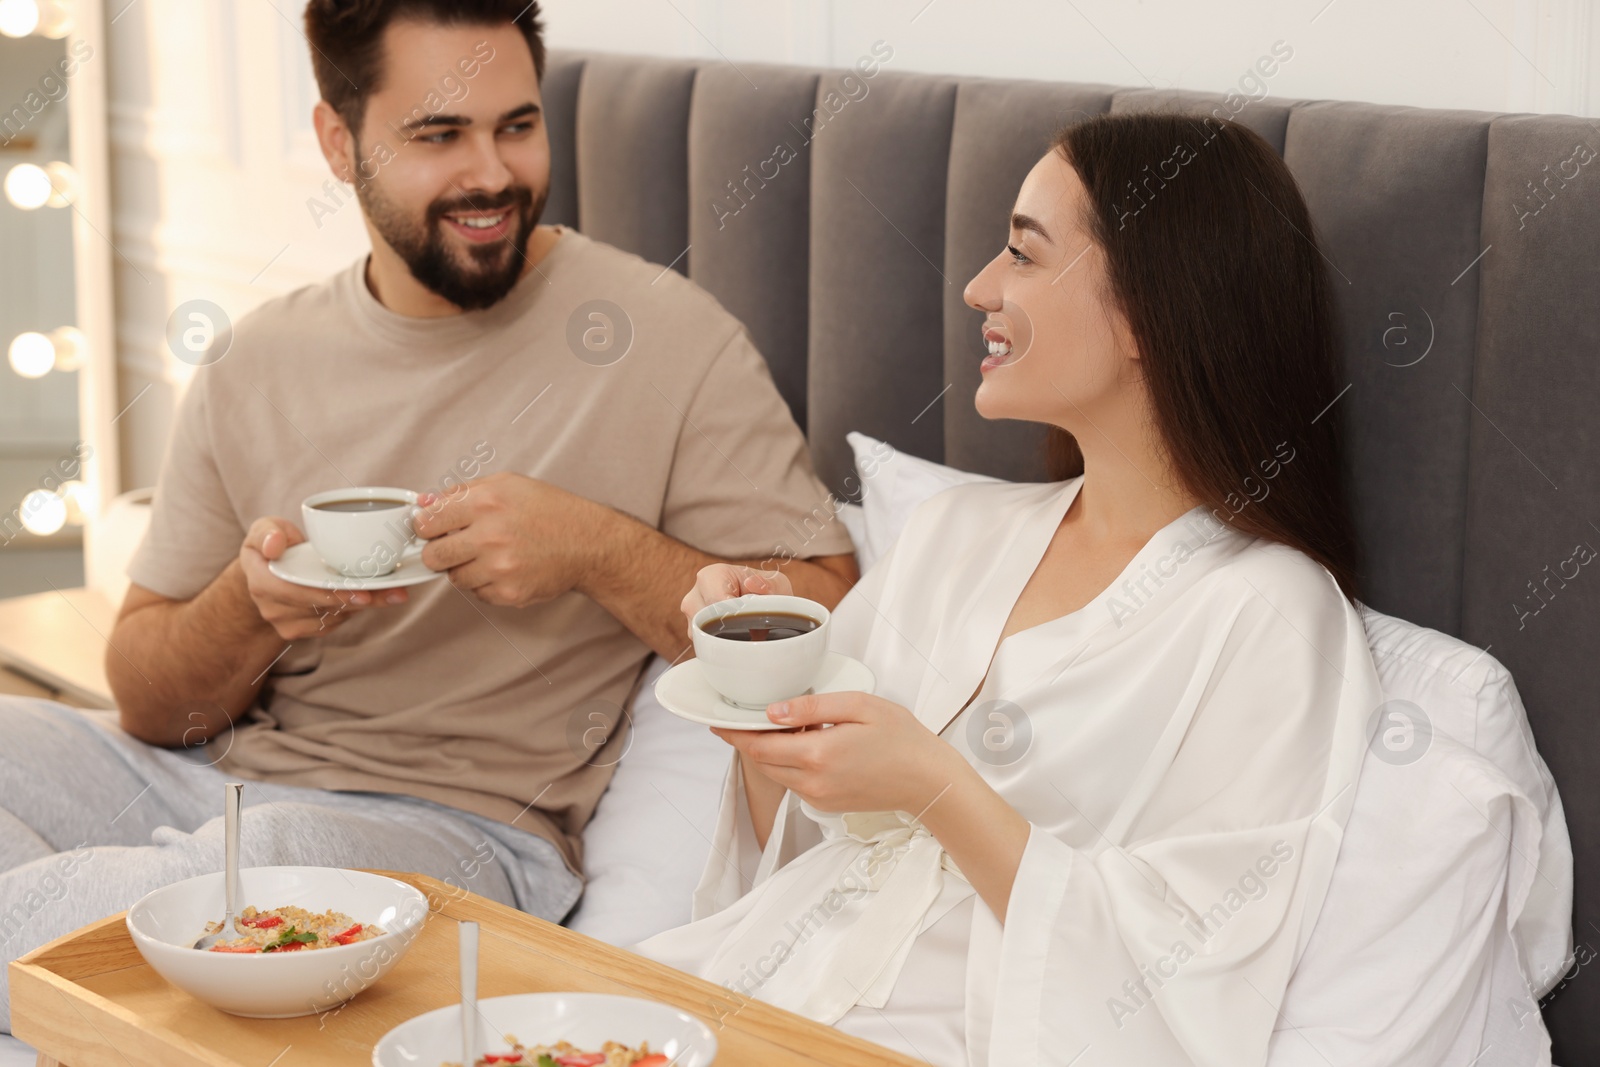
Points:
1492	55
213	161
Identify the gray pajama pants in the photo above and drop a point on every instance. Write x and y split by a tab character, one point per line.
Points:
91	820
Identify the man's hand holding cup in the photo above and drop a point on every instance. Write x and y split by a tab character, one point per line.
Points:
509	539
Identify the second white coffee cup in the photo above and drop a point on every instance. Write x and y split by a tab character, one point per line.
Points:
753	674
364	532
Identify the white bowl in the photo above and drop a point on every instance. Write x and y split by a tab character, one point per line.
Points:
166	923
587	1020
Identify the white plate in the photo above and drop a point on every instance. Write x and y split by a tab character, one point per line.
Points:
302	566
684	691
587	1020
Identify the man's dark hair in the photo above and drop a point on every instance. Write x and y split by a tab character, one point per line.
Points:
346	39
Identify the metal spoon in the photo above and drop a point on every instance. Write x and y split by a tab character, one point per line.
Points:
232	801
469	994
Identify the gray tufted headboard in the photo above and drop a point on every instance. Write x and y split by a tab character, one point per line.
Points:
841	219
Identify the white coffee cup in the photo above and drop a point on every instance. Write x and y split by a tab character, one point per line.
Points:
753	674
361	543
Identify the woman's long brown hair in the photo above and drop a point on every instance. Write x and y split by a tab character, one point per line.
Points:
1212	259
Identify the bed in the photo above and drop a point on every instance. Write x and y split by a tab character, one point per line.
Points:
1460	245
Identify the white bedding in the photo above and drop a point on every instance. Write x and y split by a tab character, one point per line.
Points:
14	1053
649	837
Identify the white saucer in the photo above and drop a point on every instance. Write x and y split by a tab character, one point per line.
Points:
684	691
302	566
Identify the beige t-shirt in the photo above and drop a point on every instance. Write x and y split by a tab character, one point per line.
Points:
487	709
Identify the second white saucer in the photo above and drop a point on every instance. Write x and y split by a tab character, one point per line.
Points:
684	691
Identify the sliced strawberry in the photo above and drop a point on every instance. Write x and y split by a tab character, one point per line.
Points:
656	1060
581	1059
346	936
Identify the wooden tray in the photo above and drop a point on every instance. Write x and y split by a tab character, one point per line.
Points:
89	999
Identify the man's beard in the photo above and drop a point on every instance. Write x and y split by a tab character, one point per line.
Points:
495	267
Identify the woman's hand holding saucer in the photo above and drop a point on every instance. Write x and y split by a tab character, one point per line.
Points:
873	755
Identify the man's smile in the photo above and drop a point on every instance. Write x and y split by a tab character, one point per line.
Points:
481	227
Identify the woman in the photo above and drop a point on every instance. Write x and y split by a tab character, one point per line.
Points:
1094	803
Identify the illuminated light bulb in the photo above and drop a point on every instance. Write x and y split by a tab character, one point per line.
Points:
63	184
27	185
32	354
55	20
18	18
43	513
80	502
31	186
71	346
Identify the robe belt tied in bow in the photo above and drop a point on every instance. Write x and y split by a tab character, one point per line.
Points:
896	864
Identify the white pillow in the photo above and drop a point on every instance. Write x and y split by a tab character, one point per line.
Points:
648	839
1410	961
892	485
1469	696
1394	870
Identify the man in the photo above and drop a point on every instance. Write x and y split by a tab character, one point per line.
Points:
573	487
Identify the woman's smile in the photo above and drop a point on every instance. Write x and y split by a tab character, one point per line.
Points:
998	343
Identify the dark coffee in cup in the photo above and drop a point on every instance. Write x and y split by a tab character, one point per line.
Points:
360	505
758	648
760	626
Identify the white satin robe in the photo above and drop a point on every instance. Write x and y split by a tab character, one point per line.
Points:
1185	747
